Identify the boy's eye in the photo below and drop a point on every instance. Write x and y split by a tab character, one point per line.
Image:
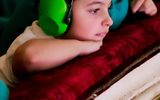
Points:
94	11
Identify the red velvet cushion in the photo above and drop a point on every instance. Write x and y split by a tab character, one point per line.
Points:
71	80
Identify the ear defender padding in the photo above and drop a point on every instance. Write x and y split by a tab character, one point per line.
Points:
118	11
53	16
4	91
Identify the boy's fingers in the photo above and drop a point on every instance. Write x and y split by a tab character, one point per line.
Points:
151	12
152	7
136	4
148	8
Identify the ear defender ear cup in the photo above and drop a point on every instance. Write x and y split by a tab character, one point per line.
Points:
4	91
118	11
52	15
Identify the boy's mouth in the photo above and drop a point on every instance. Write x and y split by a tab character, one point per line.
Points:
102	34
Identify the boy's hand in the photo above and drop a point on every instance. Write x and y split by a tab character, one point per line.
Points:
88	47
146	6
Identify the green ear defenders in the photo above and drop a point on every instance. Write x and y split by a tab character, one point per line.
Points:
55	16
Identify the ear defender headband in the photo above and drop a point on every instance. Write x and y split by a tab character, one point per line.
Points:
55	16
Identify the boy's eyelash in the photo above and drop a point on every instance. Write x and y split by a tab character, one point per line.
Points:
93	11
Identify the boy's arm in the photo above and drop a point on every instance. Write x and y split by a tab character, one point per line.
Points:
146	6
42	54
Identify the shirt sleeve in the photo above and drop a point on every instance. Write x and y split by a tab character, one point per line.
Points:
25	36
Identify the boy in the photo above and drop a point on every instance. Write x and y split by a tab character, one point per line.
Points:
34	51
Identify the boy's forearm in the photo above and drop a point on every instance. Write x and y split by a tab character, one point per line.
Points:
44	54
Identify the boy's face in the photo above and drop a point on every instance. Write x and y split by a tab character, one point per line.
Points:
90	20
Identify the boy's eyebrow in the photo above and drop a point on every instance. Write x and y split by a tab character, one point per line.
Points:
98	2
95	2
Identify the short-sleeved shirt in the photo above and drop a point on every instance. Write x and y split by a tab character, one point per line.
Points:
31	32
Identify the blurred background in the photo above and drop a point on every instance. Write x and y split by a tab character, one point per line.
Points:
15	15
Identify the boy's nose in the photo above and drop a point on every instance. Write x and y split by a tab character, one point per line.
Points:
107	21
